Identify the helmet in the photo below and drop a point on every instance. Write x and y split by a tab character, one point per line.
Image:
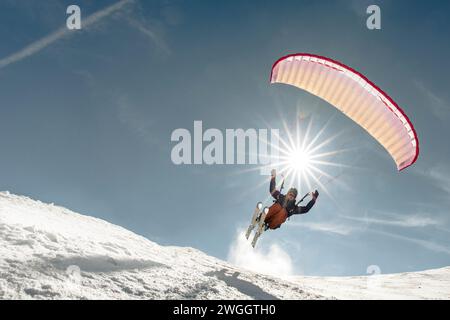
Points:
294	191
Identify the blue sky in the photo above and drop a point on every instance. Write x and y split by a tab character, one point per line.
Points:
87	118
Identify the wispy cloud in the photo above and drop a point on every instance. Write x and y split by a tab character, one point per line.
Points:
438	106
402	221
427	244
133	119
437	176
359	6
274	261
151	34
336	228
59	34
407	221
441	175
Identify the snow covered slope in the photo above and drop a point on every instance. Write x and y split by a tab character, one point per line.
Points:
430	284
49	252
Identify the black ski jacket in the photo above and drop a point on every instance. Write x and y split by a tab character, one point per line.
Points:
291	208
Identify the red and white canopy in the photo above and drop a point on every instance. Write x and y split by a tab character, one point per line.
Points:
357	97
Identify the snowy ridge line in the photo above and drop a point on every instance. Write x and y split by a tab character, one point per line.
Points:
50	252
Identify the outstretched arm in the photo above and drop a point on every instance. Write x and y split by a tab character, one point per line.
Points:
304	209
273	191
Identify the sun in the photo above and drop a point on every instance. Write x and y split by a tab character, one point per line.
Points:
304	156
299	160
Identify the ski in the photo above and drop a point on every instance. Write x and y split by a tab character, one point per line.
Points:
255	219
261	227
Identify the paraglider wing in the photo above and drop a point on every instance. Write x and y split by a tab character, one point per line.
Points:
355	96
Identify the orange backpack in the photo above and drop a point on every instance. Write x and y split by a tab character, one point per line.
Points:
276	216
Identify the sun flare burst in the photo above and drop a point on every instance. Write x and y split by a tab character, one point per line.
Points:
299	160
306	158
